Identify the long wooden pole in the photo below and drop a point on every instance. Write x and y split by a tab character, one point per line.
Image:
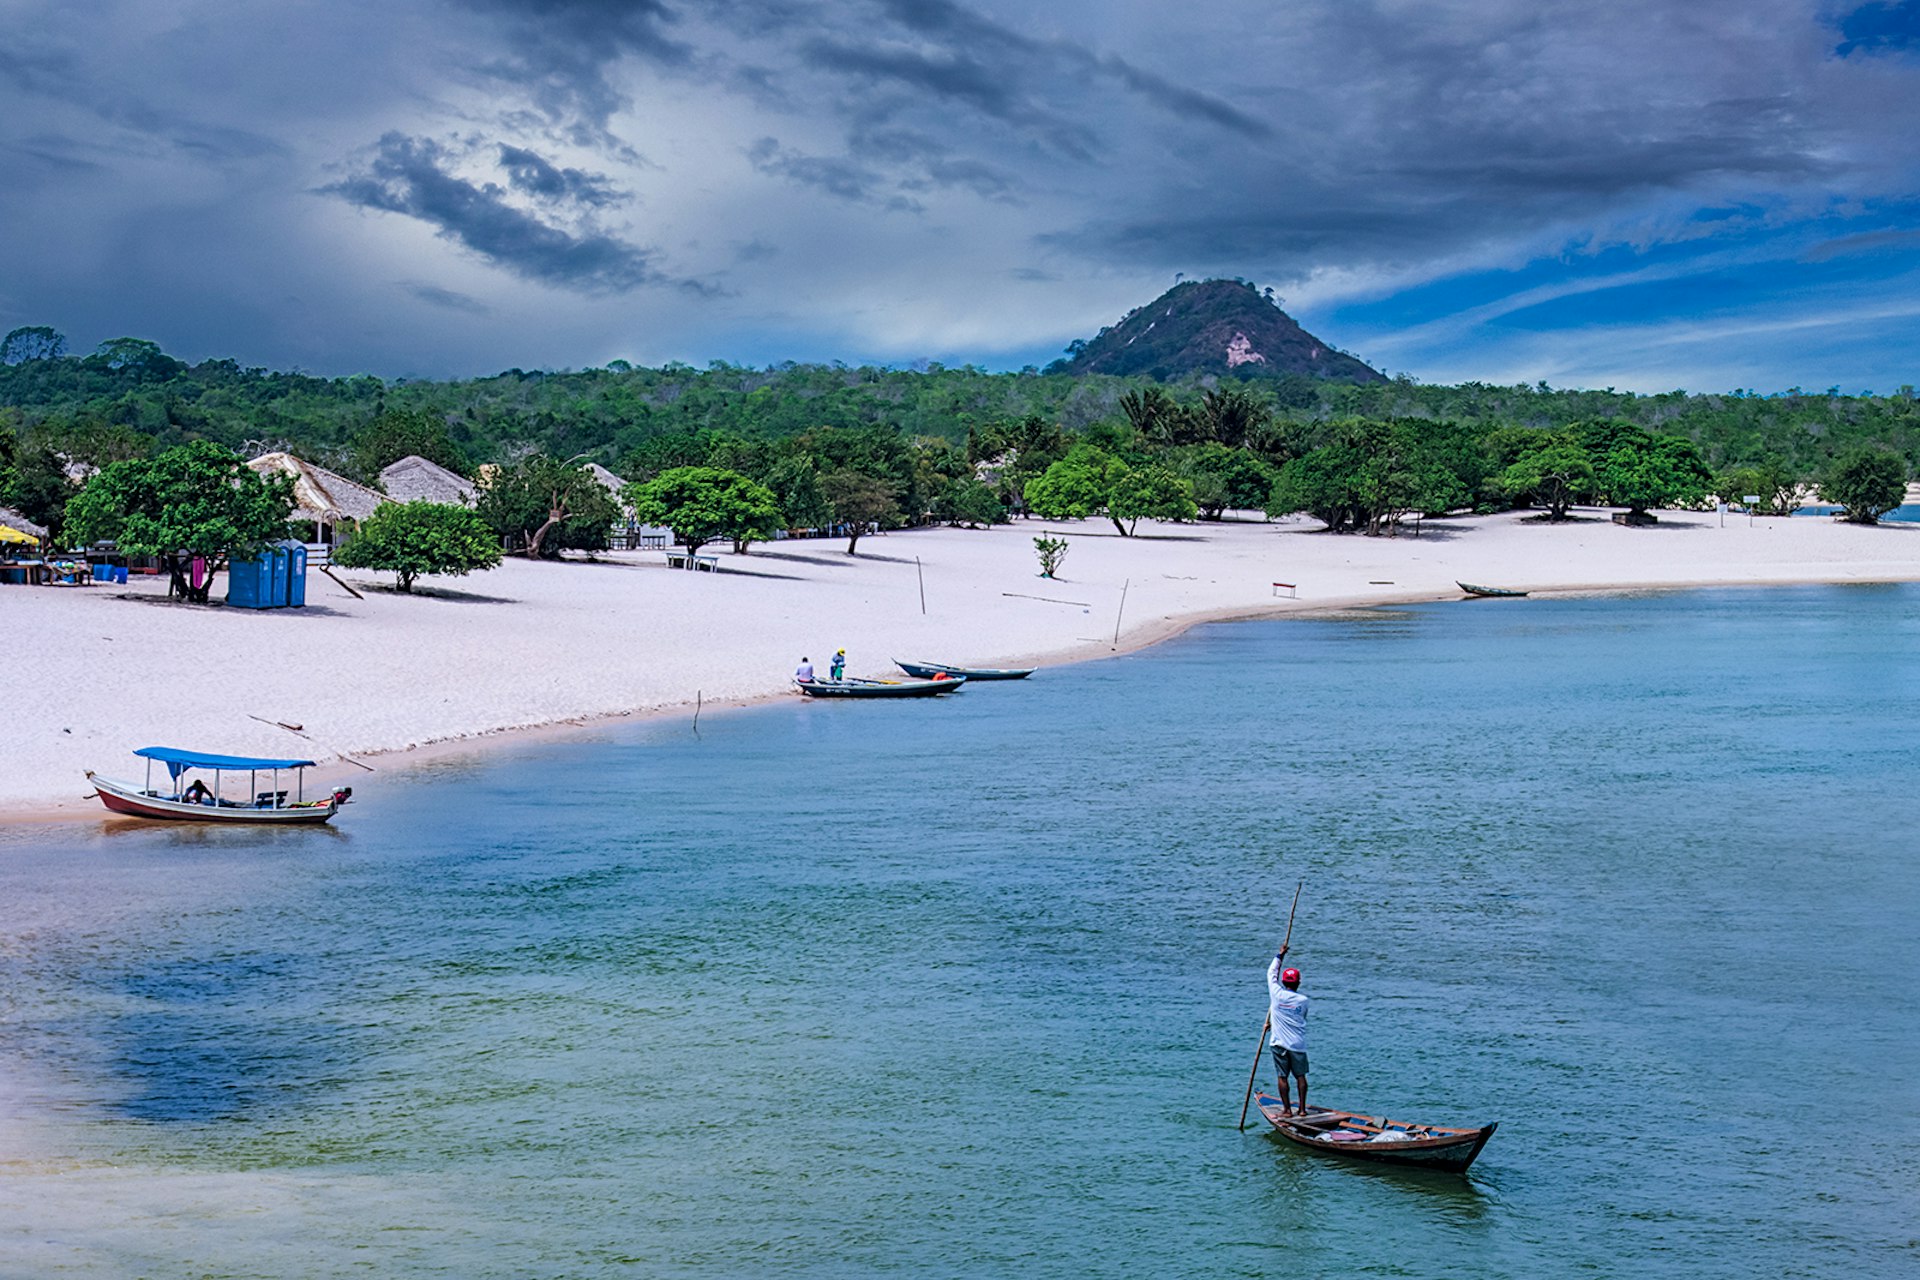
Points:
1266	1023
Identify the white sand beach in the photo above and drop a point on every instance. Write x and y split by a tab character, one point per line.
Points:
101	670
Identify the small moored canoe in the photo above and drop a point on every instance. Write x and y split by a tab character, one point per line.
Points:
1360	1137
878	688
927	670
1490	592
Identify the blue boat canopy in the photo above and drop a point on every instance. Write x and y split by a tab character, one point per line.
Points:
176	759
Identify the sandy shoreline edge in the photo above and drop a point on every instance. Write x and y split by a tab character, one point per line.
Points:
444	675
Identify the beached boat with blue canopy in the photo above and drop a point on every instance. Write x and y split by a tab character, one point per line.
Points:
199	800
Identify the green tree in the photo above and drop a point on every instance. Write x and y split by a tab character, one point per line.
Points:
412	538
198	499
33	481
1552	470
1867	483
1075	487
1374	472
548	505
137	358
1161	420
1640	471
32	342
1235	414
702	504
1319	483
968	501
795	482
1772	480
1090	481
860	501
1221	478
1148	493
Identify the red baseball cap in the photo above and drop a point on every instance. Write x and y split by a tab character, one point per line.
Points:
1290	977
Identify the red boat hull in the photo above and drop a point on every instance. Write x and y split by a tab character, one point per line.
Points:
125	800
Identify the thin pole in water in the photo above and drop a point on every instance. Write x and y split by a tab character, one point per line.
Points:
1267	1022
923	585
1121	613
698	696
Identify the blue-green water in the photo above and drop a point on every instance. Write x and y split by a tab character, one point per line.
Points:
970	988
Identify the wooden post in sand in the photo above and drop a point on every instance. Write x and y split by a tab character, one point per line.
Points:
1121	613
923	585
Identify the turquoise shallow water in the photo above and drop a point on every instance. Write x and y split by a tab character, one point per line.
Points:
971	988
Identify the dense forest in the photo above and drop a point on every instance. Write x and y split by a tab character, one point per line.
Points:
130	399
132	384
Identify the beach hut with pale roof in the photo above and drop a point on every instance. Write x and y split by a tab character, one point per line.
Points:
416	479
326	499
16	528
610	482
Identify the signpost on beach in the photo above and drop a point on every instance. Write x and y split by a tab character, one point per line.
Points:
1750	500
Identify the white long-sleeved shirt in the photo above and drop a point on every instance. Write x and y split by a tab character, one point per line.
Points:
1287	1011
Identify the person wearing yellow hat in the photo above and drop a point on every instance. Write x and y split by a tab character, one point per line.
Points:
838	668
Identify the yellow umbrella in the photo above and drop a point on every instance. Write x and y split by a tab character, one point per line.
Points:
10	534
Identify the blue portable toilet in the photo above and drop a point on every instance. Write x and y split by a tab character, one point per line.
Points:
249	582
275	579
296	574
275	558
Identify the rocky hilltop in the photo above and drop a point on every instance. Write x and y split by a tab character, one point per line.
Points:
1224	327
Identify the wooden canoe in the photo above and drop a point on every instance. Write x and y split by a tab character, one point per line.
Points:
1375	1138
927	670
878	688
1490	592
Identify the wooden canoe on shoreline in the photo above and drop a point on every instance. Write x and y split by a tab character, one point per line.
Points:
926	671
1496	593
857	688
1375	1138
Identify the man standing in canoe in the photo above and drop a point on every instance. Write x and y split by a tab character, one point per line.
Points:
1287	1013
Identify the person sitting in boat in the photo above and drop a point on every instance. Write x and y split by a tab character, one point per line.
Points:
198	793
838	667
803	674
1287	1012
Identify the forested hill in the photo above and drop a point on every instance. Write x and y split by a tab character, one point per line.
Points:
129	393
1224	328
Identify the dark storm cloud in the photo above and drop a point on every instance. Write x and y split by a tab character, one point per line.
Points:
535	175
964	28
449	299
410	176
1082	144
60	76
835	175
561	52
1406	140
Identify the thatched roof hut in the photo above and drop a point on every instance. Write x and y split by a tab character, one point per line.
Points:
20	524
326	498
415	479
613	484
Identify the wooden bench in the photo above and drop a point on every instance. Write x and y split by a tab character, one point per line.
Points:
678	560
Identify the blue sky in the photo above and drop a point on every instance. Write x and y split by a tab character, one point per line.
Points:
1643	195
